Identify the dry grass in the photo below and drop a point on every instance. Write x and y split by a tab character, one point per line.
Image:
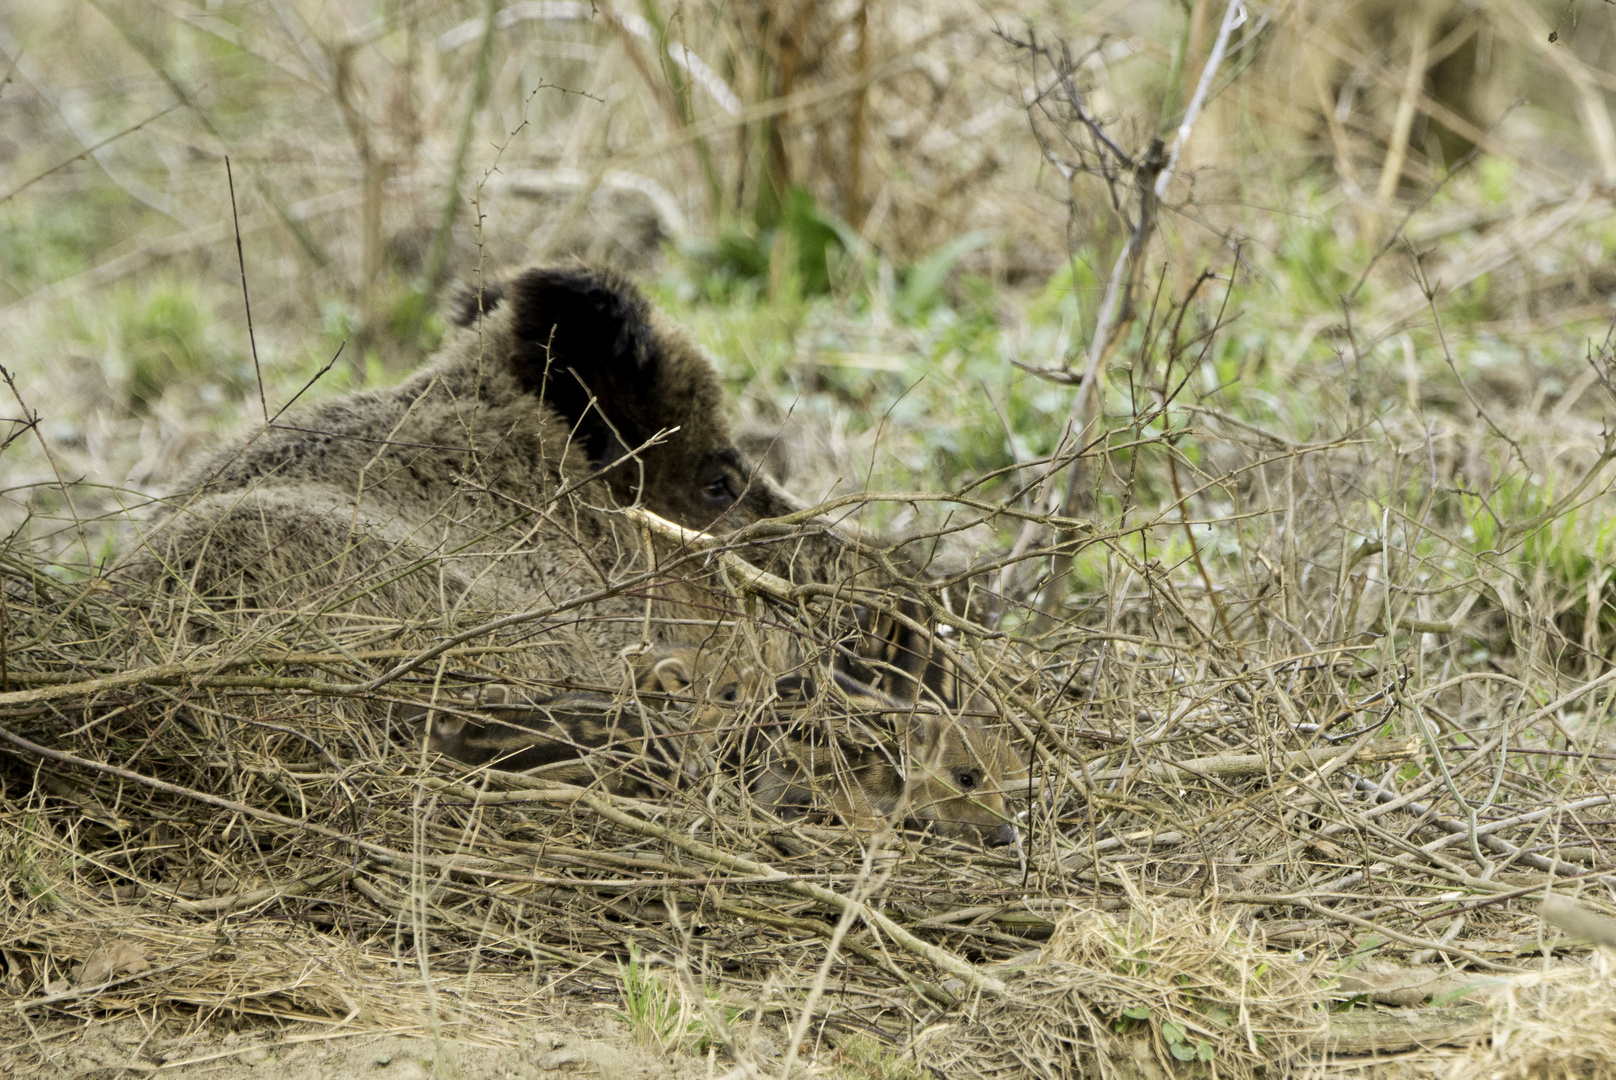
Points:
164	792
1557	1024
1144	994
1328	688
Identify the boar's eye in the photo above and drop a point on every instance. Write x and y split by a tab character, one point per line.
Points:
718	490
966	780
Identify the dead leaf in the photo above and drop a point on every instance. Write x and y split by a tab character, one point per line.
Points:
112	960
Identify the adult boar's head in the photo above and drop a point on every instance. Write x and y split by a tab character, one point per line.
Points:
640	400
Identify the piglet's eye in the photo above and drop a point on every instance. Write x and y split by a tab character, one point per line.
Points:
718	490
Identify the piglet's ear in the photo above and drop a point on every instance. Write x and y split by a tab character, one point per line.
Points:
448	727
582	334
673	674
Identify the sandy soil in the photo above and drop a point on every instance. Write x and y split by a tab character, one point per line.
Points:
587	1041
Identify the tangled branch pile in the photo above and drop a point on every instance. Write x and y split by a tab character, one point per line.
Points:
1313	689
1289	764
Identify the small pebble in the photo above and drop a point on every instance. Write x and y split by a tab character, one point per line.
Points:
407	1069
557	1059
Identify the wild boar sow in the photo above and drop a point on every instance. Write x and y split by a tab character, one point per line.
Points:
487	480
491	481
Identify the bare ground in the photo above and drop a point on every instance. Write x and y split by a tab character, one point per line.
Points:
565	1039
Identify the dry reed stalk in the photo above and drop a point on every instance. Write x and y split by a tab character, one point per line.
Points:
437	260
1419	44
373	178
1316	36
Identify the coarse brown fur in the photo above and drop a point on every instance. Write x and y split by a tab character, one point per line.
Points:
800	745
631	746
871	756
872	759
581	739
487	482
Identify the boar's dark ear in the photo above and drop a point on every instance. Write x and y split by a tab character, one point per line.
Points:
472	298
580	334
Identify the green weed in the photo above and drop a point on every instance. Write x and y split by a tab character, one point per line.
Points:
800	255
40	244
155	339
859	1057
27	867
923	283
659	1012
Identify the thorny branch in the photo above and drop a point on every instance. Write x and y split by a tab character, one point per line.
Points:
1098	153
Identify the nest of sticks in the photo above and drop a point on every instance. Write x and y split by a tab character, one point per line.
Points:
1211	835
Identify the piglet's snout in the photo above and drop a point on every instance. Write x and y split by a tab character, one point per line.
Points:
1003	836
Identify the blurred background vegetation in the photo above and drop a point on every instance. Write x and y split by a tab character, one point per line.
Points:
862	209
